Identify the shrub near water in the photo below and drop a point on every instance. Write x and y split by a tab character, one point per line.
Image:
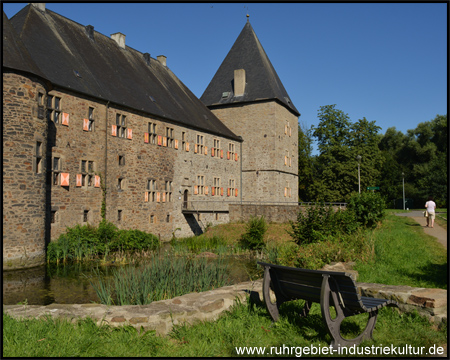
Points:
87	241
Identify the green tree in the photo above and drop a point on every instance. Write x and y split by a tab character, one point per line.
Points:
305	163
340	142
421	155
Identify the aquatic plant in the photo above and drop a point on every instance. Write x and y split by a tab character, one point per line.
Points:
162	278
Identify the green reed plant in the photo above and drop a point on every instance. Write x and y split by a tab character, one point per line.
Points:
201	243
162	278
86	242
65	248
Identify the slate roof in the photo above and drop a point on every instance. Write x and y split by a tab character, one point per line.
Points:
63	49
15	54
262	80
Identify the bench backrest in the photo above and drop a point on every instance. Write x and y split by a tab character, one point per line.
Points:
296	283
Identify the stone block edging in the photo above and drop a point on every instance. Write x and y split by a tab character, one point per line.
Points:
207	306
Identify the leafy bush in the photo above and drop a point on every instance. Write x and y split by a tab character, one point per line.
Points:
87	241
368	208
134	240
253	238
319	222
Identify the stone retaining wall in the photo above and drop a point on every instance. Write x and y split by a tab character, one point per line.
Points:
207	306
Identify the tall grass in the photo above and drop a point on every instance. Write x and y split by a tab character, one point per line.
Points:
162	278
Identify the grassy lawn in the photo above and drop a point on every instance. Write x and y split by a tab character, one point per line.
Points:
405	255
441	214
402	255
245	325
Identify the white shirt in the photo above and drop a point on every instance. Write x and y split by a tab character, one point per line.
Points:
430	205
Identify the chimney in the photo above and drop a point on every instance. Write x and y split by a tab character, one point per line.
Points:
90	31
147	58
39	6
162	59
119	38
239	82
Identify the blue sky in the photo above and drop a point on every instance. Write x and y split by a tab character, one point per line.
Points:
383	61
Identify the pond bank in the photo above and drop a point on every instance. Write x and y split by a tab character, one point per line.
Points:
208	305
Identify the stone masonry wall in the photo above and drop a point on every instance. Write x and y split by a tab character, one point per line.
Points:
272	213
24	180
270	163
133	160
71	145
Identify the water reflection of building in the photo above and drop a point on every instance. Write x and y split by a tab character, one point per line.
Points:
26	285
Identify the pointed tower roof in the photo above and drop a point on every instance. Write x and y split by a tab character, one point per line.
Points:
261	80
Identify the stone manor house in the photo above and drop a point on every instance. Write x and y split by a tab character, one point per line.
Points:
93	129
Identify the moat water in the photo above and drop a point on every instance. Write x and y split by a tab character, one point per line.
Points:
70	283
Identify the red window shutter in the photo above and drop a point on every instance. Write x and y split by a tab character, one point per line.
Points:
206	150
285	129
212	151
236	192
221	154
114	130
228	155
187	146
195	148
221	191
79	180
129	134
65	119
228	192
285	192
176	144
236	157
86	124
159	140
195	190
97	181
206	190
164	141
213	191
290	131
164	197
158	197
146	138
146	196
64	179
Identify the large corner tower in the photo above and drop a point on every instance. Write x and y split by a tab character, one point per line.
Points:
248	96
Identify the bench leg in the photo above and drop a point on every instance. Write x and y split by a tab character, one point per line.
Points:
334	325
273	307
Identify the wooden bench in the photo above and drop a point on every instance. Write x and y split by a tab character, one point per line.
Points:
322	287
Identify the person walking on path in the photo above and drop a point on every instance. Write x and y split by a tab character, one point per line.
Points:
430	205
